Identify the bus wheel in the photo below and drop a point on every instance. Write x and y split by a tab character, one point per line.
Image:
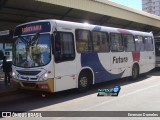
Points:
83	83
135	72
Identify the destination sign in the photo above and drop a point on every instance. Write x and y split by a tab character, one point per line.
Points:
32	28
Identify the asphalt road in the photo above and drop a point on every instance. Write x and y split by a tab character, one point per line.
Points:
140	95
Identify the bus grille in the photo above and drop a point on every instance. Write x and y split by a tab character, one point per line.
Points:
28	72
33	85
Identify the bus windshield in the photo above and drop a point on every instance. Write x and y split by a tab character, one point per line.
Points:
32	51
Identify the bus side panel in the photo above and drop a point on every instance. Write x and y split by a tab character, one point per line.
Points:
118	61
128	63
142	62
101	72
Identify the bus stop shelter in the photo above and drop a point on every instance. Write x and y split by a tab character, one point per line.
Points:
99	12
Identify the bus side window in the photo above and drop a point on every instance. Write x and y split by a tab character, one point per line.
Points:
100	41
64	47
129	42
139	43
148	44
57	47
83	41
116	42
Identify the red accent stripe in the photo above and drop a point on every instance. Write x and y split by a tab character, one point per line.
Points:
136	56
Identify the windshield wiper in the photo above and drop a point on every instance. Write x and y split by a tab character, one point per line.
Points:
34	40
23	40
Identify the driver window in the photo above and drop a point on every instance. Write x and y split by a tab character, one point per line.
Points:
64	47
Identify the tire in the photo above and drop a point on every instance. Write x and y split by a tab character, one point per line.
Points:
135	72
83	83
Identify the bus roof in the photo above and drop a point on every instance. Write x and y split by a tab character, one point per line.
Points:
77	25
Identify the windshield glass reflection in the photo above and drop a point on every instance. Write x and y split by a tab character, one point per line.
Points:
32	51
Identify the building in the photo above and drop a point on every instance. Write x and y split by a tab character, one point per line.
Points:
151	6
6	43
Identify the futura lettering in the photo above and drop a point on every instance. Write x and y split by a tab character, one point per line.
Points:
120	59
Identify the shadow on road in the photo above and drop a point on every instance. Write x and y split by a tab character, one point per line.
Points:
29	100
155	72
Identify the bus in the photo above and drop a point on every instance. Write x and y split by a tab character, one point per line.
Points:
157	50
55	55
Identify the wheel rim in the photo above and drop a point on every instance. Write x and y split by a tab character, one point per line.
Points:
83	81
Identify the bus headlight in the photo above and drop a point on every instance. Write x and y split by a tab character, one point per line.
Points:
45	76
13	74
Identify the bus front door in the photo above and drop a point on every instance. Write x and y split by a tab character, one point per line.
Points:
150	54
65	62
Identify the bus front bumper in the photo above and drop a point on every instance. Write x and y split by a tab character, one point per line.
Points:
47	85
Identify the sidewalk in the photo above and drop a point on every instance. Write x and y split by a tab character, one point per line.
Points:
6	89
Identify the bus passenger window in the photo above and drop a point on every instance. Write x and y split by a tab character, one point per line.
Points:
64	47
83	41
139	43
129	43
148	43
100	42
116	42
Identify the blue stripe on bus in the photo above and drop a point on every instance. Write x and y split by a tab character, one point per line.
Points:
96	28
92	60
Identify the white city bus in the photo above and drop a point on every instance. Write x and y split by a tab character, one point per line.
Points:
54	55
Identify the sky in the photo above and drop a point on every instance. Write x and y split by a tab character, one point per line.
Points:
136	4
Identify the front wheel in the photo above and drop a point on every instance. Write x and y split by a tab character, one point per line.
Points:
135	72
83	83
